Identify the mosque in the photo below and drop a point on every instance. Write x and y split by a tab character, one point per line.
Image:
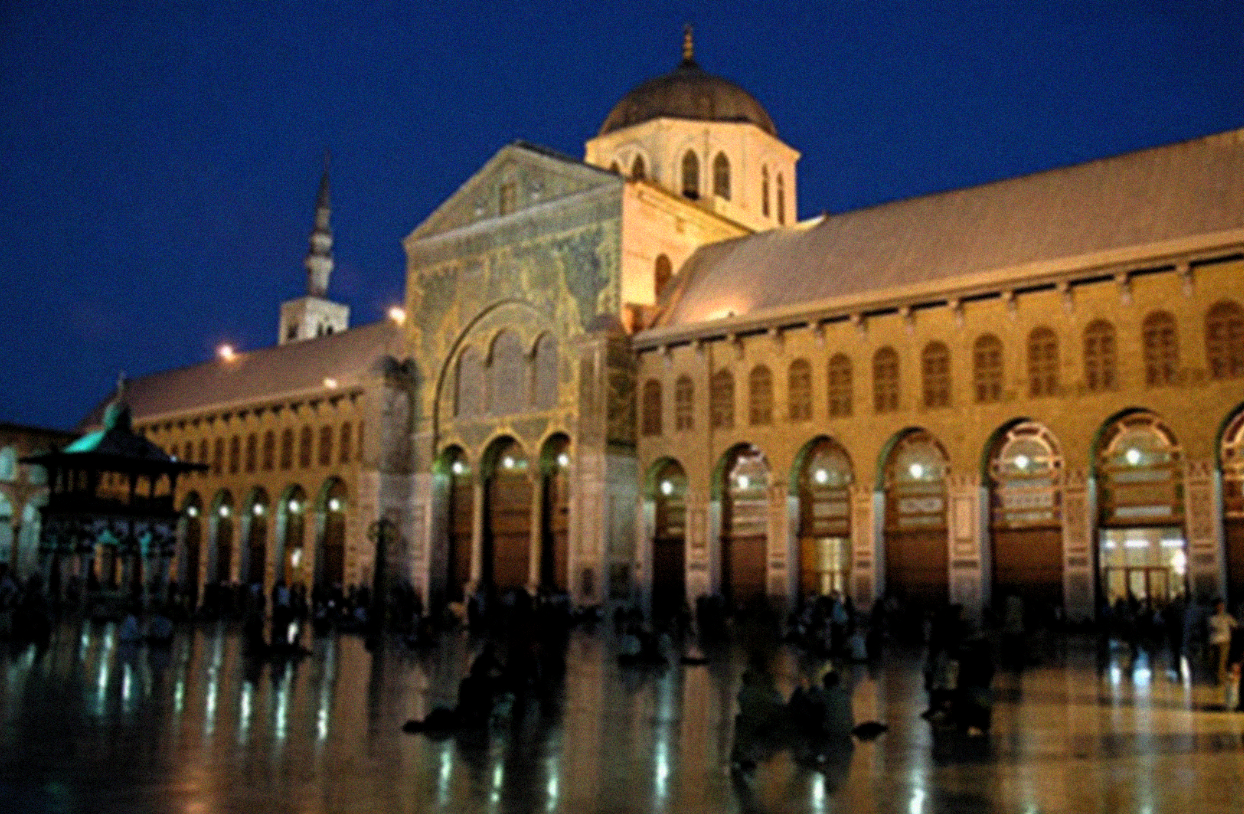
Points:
639	377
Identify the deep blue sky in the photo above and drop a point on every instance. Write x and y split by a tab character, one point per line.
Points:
158	162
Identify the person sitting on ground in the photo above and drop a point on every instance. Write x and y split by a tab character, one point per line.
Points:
973	699
759	724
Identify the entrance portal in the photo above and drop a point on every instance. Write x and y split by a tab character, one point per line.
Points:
1145	563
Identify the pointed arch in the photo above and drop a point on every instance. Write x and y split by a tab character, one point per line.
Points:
639	170
744	477
666	488
507	514
255	531
1023	473
454	471
555	480
332	508
917	562
821	479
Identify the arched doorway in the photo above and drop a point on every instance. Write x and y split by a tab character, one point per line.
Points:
823	480
1143	550
555	514
668	492
917	566
191	548
222	537
330	560
1025	515
507	534
744	524
291	531
459	521
1233	506
256	554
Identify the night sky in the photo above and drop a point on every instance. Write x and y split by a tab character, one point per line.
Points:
160	161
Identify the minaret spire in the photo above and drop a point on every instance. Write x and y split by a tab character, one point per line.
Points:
319	260
688	46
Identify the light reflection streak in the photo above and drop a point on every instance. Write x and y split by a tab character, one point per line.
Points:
554	784
282	705
244	713
917	802
442	777
818	791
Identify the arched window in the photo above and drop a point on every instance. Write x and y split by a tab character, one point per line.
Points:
1042	362
507	384
469	398
690	175
615	169
799	390
721	176
326	445
218	457
638	171
235	455
935	371
781	200
885	381
721	400
544	383
1161	347
764	191
287	449
987	369
269	451
650	423
343	445
202	452
1224	340
304	448
839	386
1099	356
661	276
684	403
252	450
760	396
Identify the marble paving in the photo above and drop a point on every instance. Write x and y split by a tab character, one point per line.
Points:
91	725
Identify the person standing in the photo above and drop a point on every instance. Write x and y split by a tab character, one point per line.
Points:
1221	624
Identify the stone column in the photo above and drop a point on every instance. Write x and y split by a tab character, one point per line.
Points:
1207	563
535	530
779	544
969	582
1079	513
645	530
700	572
478	495
867	563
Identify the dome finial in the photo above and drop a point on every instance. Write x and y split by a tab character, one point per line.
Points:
688	46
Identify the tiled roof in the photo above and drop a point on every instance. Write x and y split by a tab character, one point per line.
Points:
1144	198
266	374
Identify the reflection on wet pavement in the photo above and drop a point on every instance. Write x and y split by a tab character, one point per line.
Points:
95	725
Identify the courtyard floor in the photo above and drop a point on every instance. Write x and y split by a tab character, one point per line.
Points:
92	725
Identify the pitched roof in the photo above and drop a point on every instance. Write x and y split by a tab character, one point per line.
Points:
261	375
1184	190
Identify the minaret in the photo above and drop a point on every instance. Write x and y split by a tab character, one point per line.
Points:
315	315
319	261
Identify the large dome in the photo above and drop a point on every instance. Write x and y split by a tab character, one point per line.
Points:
688	92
